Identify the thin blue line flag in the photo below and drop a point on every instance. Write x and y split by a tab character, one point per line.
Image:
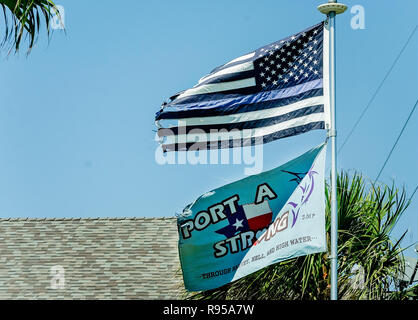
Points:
273	92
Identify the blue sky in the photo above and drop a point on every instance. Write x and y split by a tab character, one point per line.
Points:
77	115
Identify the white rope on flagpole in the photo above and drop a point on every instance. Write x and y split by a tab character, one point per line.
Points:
331	9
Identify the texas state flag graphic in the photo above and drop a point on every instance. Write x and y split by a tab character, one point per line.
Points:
258	215
251	216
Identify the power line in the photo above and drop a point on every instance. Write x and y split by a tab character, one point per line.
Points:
396	142
377	90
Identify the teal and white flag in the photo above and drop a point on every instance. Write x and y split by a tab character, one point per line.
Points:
244	226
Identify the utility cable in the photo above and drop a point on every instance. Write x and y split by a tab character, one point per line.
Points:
377	90
396	142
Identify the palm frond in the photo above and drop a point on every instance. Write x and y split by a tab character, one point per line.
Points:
23	19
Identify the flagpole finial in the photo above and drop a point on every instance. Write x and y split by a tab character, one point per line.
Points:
332	6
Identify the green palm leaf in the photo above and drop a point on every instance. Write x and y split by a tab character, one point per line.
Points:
23	18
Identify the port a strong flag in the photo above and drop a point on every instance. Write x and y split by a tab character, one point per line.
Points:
244	226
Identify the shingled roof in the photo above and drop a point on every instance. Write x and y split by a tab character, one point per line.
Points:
103	258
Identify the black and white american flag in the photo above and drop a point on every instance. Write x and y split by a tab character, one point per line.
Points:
277	91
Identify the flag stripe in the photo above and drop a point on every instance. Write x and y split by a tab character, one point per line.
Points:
218	87
241	103
260	222
239	59
211	100
228	77
244	124
253	210
232	64
257	114
247	133
246	66
293	131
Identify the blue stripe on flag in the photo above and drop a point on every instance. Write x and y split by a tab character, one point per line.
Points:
274	98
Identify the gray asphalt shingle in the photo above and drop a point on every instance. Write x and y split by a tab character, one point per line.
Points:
103	258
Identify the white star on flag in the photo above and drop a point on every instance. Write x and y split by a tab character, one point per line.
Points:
238	224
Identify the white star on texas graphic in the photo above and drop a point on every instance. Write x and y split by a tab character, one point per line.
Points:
238	224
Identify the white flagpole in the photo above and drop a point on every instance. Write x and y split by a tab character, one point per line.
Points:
331	9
